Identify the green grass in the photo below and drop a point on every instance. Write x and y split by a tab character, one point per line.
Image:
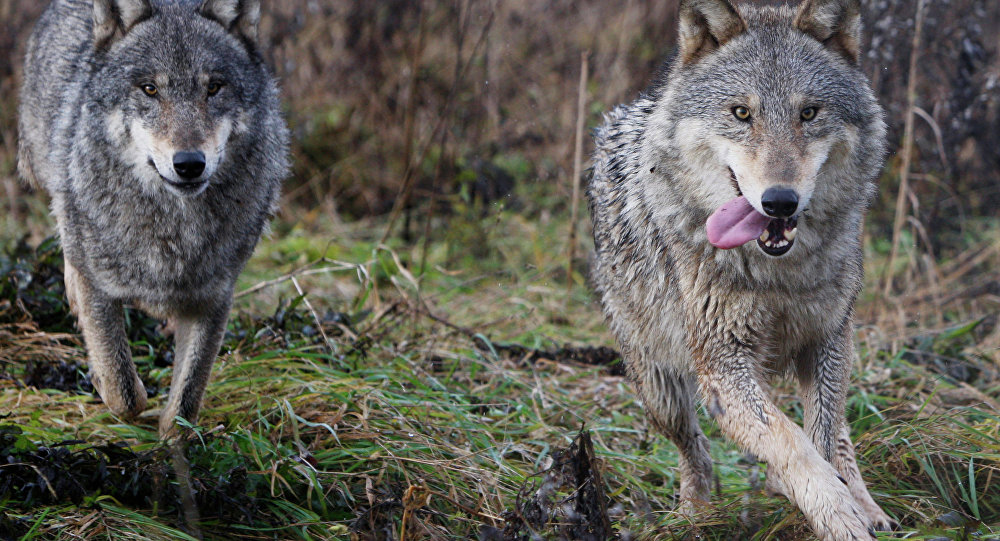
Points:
382	397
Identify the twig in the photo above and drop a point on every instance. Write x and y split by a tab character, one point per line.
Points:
406	189
415	497
972	260
301	271
581	117
183	473
933	276
938	137
431	205
422	309
411	101
41	476
468	510
319	323
904	177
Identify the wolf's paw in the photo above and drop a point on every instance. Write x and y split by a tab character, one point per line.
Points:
835	515
840	517
168	428
131	406
127	401
773	485
876	516
848	524
881	521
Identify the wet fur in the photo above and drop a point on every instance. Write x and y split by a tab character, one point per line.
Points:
693	320
87	135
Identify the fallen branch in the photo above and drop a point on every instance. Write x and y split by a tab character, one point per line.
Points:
588	355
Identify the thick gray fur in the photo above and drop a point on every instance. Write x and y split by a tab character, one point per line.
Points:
693	319
102	148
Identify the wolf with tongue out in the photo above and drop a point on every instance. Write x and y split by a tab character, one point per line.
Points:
728	204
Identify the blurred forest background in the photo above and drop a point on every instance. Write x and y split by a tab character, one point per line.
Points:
433	116
411	103
438	136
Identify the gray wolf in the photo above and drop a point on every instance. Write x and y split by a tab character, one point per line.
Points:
155	127
727	205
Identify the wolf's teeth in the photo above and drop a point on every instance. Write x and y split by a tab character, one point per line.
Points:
790	234
764	236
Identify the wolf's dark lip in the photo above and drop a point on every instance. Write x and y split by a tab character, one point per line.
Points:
732	179
779	236
185	187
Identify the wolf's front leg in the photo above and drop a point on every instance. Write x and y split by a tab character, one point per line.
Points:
197	340
668	398
102	321
745	413
824	376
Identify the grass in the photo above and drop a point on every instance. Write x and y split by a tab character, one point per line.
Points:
358	398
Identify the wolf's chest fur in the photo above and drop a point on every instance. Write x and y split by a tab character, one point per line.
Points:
151	249
654	284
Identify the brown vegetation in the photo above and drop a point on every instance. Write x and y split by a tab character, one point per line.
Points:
375	89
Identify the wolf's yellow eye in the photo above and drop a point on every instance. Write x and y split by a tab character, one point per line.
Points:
214	88
809	113
149	89
741	113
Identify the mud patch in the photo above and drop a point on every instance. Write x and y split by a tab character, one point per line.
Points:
592	356
69	377
291	325
566	501
72	472
64	376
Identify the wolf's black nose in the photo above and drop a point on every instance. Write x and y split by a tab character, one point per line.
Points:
780	202
189	165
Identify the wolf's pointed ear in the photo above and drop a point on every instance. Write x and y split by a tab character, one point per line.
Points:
706	25
835	23
114	18
240	17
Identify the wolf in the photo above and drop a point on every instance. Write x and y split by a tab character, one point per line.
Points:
156	129
727	205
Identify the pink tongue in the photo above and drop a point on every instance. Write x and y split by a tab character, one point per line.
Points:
735	224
